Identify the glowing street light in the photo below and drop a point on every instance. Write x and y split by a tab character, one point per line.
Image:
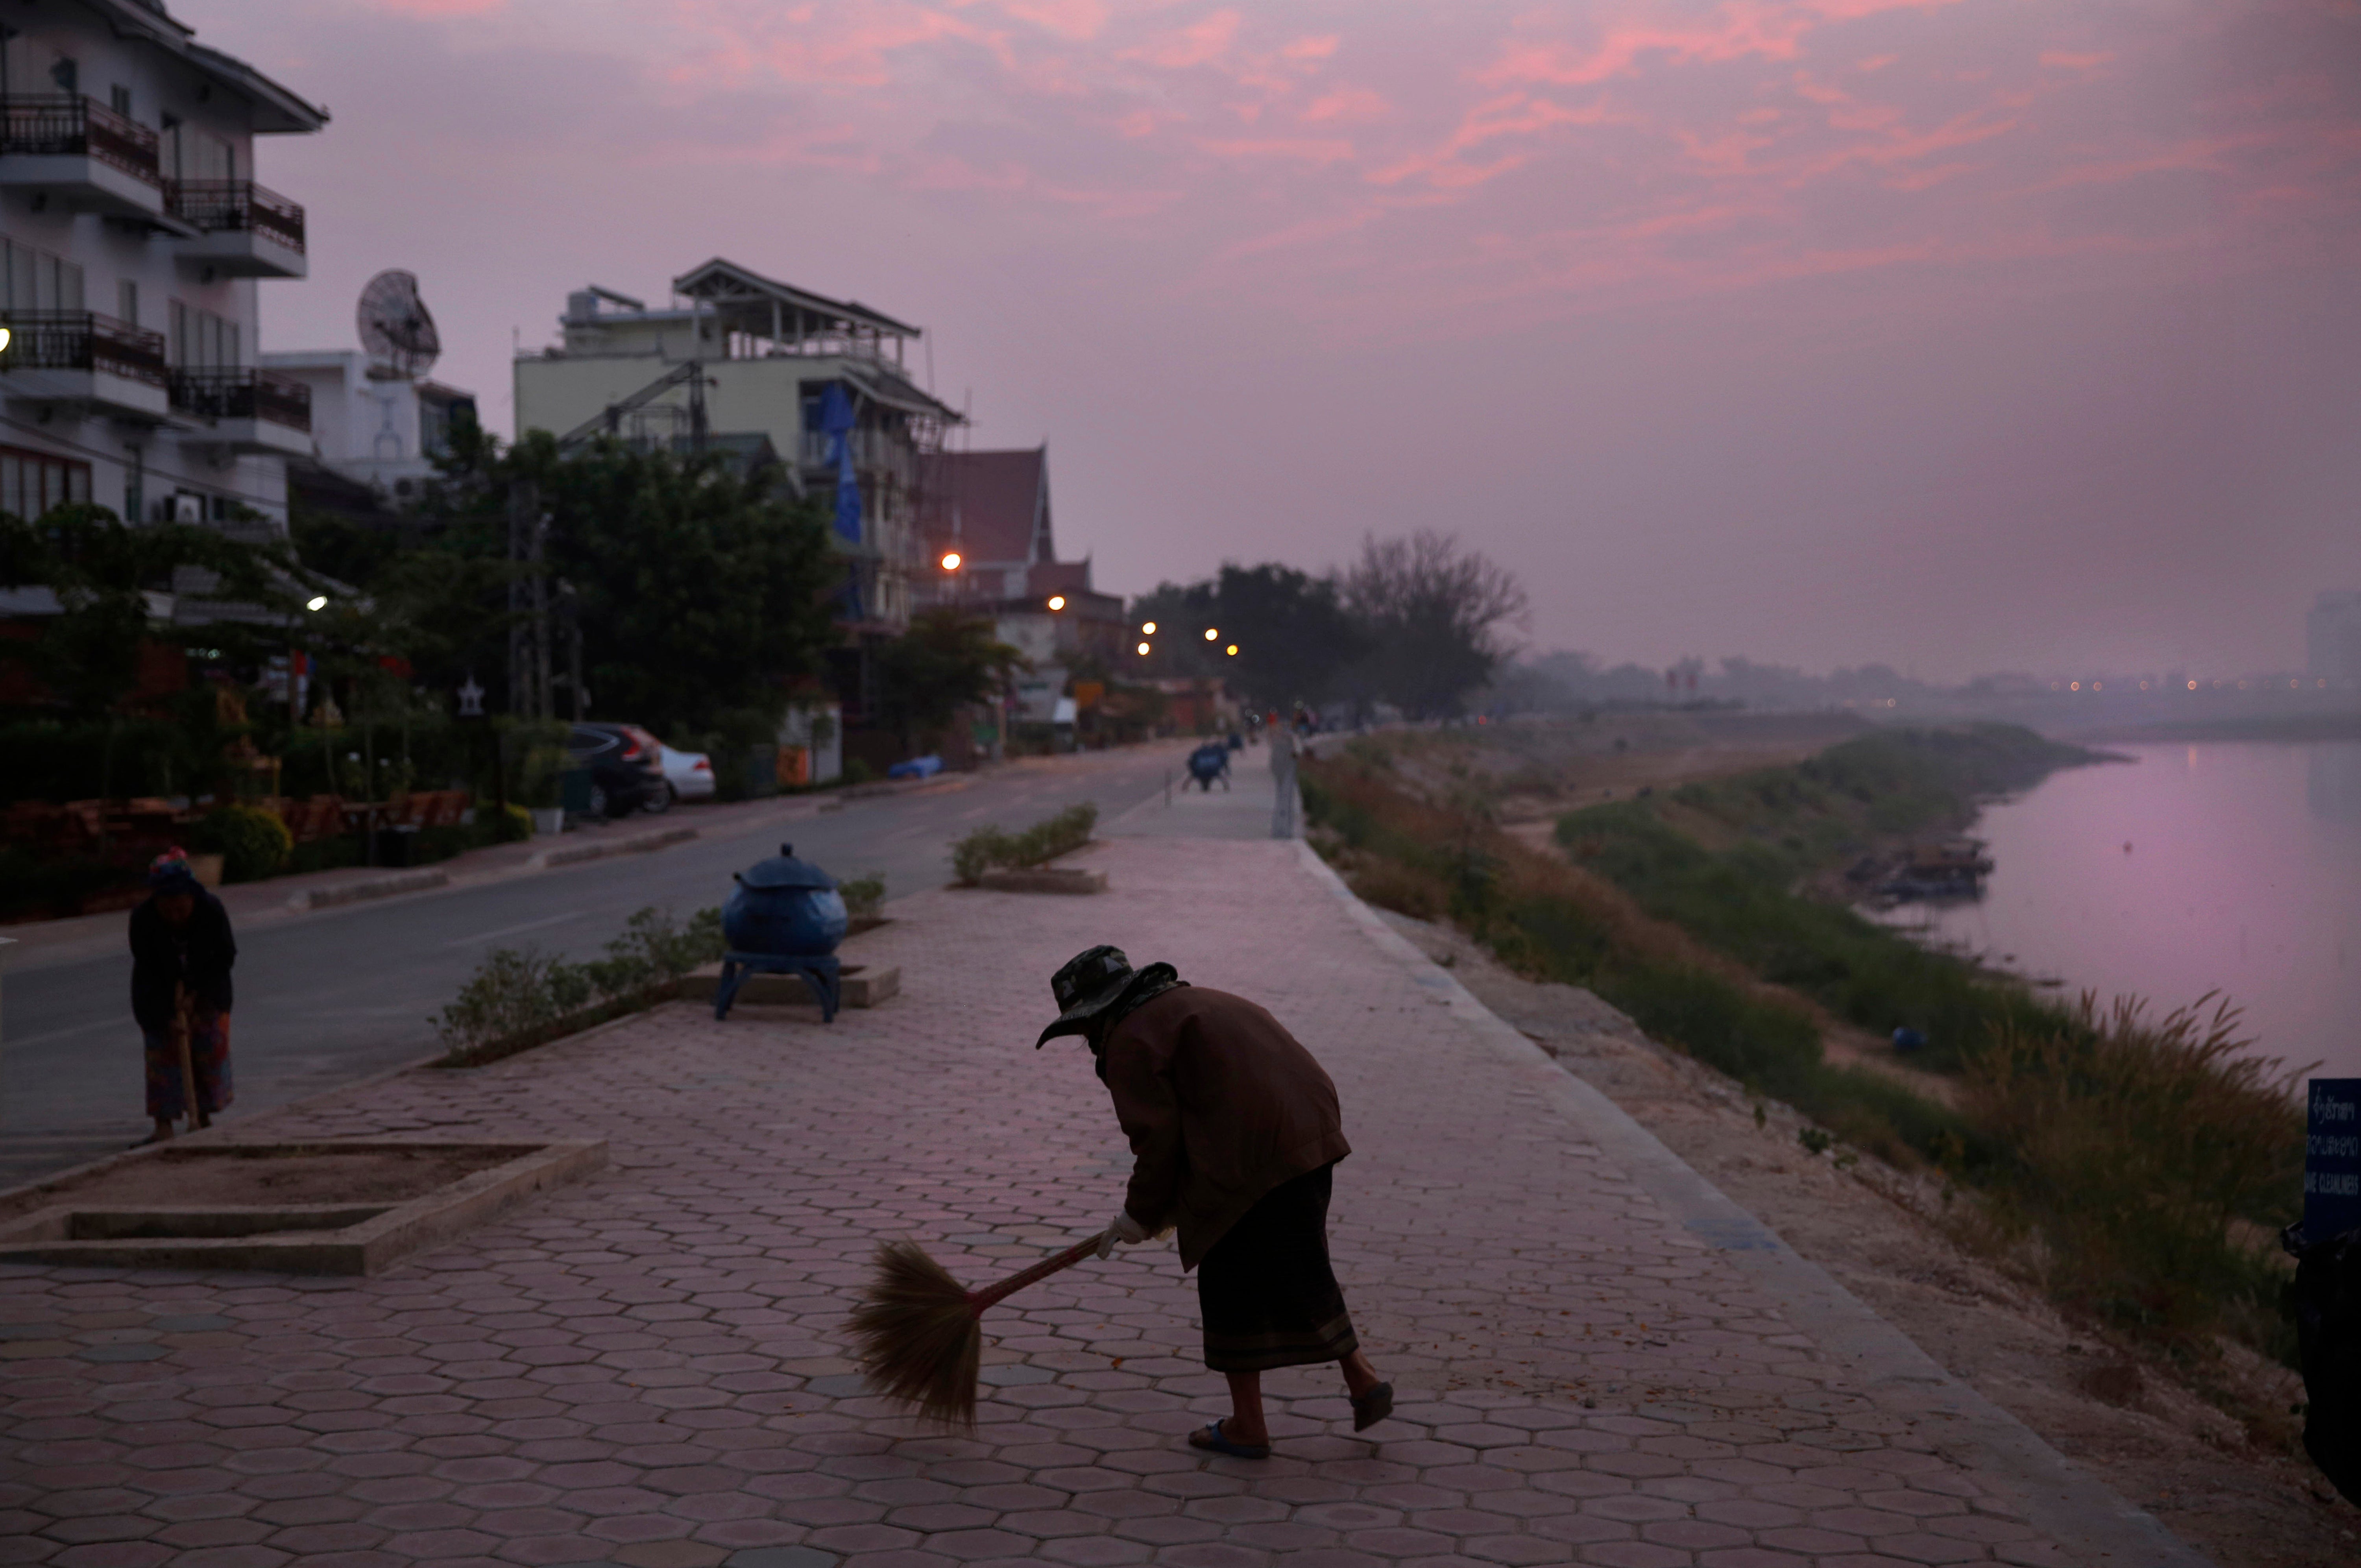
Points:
5	335
1213	634
1147	628
316	602
1143	650
1231	650
1057	601
950	560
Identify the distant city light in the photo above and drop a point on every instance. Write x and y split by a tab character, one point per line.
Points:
951	559
2192	685
1147	629
2074	685
1231	650
1057	601
2098	686
317	601
1212	633
1142	648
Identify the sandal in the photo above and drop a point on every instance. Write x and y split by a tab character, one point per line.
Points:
1373	1406
1210	1437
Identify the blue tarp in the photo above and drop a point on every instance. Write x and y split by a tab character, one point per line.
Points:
836	419
924	767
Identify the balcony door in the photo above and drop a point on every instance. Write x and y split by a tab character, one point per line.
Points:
32	279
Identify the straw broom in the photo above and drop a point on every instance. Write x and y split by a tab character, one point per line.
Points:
920	1333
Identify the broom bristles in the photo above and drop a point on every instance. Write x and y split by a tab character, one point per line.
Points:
918	1337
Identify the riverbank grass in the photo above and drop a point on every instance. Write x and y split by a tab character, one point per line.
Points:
2135	1166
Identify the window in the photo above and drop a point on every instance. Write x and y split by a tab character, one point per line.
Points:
67	74
127	301
120	97
33	482
200	340
33	279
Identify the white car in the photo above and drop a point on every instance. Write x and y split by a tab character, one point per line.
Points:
688	774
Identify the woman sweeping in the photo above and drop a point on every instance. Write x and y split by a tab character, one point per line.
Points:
182	951
1236	1135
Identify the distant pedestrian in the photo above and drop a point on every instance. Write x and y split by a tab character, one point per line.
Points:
1234	1136
182	951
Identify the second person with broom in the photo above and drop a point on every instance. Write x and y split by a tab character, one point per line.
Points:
1235	1133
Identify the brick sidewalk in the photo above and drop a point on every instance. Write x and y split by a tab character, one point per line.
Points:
647	1368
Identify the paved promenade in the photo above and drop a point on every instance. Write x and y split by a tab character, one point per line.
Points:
1599	1360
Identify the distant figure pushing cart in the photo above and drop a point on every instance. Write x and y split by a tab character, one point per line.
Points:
182	951
1234	1135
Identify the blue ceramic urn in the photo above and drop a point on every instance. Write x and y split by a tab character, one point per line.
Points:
785	906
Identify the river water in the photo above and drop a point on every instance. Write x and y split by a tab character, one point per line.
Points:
2231	866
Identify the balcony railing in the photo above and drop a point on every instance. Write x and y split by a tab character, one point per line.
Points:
211	205
83	340
63	125
242	394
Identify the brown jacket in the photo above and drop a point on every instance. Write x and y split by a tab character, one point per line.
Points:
1220	1104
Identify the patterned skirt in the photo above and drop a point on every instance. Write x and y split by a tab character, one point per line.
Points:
208	1055
1266	1291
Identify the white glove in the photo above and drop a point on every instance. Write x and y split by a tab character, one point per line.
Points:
1124	1229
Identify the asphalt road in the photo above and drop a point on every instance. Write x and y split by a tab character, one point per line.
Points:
341	994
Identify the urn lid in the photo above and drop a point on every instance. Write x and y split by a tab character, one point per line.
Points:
784	871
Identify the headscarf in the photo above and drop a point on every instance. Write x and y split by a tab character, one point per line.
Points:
171	873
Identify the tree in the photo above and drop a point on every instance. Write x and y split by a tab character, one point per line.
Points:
944	662
1294	636
102	571
701	594
1434	614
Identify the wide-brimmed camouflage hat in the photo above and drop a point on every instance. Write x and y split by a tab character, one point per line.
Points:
1092	981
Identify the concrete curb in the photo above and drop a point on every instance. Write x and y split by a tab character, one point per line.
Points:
2083	1517
375	887
638	844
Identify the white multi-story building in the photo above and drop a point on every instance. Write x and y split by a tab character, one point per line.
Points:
133	240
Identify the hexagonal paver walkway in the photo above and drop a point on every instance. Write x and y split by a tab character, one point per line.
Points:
648	1368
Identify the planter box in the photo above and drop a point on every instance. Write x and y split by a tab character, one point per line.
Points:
1044	879
89	1226
862	986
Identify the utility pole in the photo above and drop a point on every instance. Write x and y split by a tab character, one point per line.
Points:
525	504
545	705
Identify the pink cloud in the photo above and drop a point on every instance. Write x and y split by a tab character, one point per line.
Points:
1346	104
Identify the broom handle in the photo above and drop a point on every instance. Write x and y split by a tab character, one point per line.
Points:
992	1295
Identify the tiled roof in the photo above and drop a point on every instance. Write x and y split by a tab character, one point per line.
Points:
996	506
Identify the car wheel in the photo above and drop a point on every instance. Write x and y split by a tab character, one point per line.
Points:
599	800
659	801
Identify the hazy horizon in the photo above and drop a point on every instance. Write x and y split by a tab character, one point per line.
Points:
1956	337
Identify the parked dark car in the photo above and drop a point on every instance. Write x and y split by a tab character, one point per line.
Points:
626	767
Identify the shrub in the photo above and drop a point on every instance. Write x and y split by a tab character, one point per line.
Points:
512	824
252	842
864	896
518	993
990	845
980	851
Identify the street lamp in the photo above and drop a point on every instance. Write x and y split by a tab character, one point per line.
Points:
1231	650
1212	633
1147	628
5	335
950	560
1143	650
316	602
1057	601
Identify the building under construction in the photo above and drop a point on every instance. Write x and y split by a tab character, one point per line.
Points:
735	359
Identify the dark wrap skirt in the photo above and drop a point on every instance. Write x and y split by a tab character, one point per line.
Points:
1266	1291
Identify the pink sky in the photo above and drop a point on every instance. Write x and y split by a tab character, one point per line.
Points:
1962	334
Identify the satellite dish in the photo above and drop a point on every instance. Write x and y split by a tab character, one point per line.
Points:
395	328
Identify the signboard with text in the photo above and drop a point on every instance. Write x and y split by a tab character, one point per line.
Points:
2332	1158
